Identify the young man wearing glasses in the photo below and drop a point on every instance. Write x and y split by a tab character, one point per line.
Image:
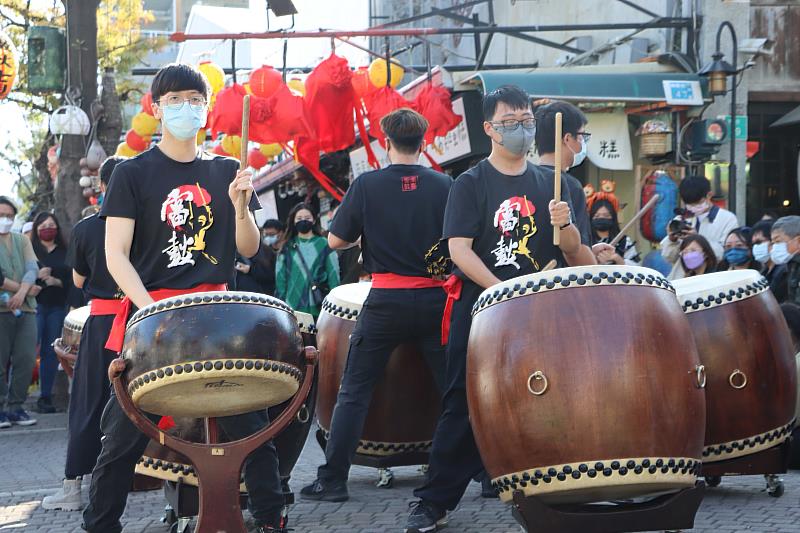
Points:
172	228
499	224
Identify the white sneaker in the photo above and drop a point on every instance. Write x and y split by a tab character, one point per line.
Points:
67	499
86	483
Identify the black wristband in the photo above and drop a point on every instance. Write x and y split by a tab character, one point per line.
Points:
568	224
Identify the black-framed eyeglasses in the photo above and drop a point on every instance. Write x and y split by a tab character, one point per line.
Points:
511	125
585	134
177	102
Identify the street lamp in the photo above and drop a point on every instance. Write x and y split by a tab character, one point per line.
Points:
717	73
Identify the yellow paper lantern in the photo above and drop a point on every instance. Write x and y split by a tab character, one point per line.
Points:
8	65
144	125
232	144
214	74
377	73
297	85
271	150
201	137
123	150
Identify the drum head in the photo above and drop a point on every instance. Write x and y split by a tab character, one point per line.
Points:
700	292
347	300
77	318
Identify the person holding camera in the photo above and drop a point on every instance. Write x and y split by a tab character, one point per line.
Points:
306	269
700	217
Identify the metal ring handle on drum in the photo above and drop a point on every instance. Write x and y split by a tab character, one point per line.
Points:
700	376
733	375
303	415
538	376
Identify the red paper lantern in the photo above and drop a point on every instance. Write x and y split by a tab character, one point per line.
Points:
330	97
433	103
264	81
256	159
147	103
219	150
226	117
136	141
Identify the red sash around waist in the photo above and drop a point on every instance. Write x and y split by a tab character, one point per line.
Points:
117	335
452	287
389	280
102	307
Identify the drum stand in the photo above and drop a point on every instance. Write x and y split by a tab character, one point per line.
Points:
219	465
669	512
770	462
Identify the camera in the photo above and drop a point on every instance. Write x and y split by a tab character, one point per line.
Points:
679	224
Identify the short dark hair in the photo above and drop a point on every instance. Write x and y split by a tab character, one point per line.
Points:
107	168
7	201
406	129
273	223
511	95
694	188
572	120
764	227
178	77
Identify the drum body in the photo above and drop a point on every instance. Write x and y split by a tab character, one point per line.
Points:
71	338
583	385
747	350
213	354
405	403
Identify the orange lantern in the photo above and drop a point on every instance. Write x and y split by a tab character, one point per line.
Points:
214	74
232	144
264	81
201	136
360	81
8	65
125	151
271	151
136	141
144	125
147	103
256	159
377	73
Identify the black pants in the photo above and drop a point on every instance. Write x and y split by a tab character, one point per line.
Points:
89	395
389	318
454	459
123	444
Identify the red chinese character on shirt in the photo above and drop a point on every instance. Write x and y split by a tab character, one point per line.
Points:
409	183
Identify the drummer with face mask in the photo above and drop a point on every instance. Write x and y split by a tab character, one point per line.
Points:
785	248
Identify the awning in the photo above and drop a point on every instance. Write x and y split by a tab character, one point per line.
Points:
789	119
586	87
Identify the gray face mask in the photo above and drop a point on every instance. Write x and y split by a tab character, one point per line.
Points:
517	141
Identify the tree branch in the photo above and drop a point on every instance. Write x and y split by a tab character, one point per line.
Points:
30	104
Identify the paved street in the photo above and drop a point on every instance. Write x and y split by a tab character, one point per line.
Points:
32	460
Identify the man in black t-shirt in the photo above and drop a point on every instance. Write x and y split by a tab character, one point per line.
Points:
172	225
499	225
90	387
396	213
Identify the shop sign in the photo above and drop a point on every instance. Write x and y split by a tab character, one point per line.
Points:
682	92
610	145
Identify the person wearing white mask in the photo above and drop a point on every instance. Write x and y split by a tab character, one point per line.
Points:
18	332
785	248
762	245
703	217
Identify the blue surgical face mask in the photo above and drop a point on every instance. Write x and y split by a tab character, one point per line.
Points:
736	256
183	123
780	253
761	252
579	157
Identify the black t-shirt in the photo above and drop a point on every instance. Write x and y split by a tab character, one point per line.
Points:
87	256
507	216
185	231
57	261
578	197
397	212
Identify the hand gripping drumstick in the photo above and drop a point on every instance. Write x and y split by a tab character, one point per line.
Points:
638	215
243	152
557	174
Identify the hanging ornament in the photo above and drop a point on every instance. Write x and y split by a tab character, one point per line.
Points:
219	150
214	74
377	73
144	125
256	159
124	150
433	103
232	144
201	136
8	65
227	116
136	141
271	151
330	100
70	120
147	103
264	81
297	86
95	155
361	83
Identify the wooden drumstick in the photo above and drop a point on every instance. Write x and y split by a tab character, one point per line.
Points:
243	152
557	174
636	217
549	266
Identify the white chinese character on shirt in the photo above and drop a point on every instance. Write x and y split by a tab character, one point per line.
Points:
505	253
178	251
506	217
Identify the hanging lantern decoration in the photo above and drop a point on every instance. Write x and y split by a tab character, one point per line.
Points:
232	144
264	81
144	125
147	103
377	73
219	150
227	116
361	83
95	156
256	159
201	136
70	120
214	74
123	150
8	65
136	141
271	151
297	86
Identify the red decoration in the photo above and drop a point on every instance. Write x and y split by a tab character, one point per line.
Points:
307	154
752	148
380	103
226	117
219	150
93	200
137	142
330	100
147	103
256	159
166	423
361	83
264	81
279	118
433	103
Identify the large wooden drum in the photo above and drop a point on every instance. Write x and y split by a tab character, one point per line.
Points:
213	354
405	403
747	350
584	385
66	347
